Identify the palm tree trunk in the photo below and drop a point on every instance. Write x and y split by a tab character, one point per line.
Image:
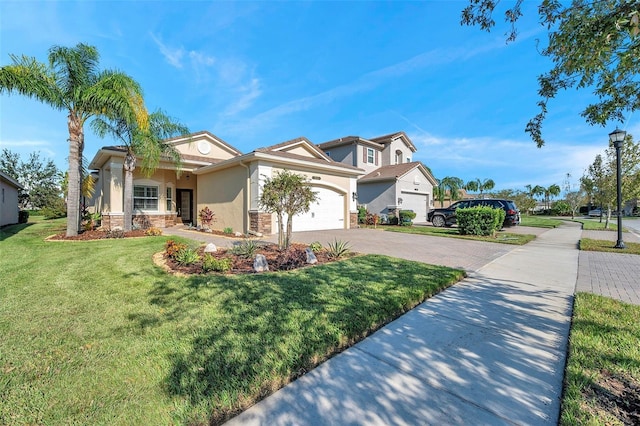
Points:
129	167
76	144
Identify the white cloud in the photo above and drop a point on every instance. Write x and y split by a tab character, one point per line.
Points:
248	94
172	55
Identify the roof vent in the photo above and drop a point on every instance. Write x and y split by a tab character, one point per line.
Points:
377	173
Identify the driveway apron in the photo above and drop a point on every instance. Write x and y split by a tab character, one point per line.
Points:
488	351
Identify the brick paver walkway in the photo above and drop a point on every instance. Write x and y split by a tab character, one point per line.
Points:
615	275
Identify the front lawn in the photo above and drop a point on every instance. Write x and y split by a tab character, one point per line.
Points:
94	333
502	237
602	378
588	244
540	221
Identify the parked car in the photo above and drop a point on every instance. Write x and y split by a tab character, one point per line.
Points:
447	216
595	212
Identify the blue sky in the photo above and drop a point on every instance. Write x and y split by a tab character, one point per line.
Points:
259	73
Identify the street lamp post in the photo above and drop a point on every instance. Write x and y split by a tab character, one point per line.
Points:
617	138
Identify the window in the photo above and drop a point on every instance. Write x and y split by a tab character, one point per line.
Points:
398	157
370	155
169	198
145	197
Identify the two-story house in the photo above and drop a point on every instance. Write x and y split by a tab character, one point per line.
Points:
392	181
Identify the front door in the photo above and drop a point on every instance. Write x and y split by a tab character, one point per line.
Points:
185	205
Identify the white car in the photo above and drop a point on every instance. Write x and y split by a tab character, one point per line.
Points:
595	213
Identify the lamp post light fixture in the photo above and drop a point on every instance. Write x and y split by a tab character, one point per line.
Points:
617	138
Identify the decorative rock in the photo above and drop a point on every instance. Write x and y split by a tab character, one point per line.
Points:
311	257
260	264
210	248
238	234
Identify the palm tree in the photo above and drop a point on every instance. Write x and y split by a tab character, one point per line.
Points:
439	194
533	192
149	144
480	185
552	191
453	185
72	82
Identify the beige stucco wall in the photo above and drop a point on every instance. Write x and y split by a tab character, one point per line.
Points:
8	203
216	150
109	195
224	192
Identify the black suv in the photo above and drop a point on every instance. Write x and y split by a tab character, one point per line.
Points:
447	217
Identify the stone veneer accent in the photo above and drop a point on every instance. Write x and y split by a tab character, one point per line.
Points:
260	222
353	220
143	221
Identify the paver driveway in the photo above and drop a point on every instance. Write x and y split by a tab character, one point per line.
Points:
457	253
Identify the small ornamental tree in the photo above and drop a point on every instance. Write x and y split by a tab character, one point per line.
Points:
286	194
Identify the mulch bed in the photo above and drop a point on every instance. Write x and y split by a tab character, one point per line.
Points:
293	258
98	235
617	395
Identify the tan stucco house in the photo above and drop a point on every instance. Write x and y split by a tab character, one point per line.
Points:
165	198
9	208
393	180
216	175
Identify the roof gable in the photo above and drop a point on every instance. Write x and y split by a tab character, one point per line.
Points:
204	144
387	139
301	147
349	140
397	171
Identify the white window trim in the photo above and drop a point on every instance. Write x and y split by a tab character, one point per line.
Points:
370	154
157	197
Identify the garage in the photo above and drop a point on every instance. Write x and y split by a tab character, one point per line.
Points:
416	202
326	213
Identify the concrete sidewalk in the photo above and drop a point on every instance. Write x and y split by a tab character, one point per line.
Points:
489	350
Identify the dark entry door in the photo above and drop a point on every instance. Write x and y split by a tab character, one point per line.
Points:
185	205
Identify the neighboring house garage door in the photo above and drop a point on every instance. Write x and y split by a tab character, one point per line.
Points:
326	213
417	203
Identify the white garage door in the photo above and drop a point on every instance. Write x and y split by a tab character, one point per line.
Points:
417	203
326	213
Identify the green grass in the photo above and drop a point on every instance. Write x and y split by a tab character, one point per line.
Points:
605	340
539	221
588	244
94	333
502	237
594	224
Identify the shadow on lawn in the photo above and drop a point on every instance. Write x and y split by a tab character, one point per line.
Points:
258	332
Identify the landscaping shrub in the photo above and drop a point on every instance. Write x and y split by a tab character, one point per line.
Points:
56	210
186	256
23	216
315	246
153	231
337	249
362	214
246	249
210	263
480	220
207	217
406	217
172	248
228	230
373	219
